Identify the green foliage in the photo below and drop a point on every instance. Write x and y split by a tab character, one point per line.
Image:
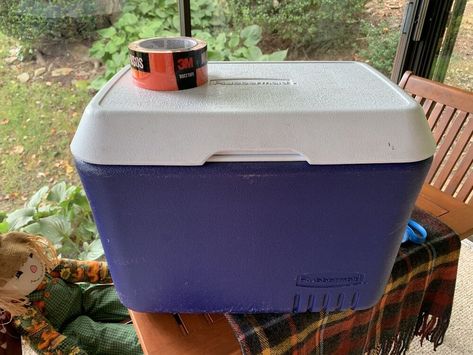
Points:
238	45
61	214
36	21
382	41
155	18
303	23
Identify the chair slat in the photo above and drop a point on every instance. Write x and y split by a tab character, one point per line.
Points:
442	150
442	123
428	107
462	170
465	190
455	154
435	115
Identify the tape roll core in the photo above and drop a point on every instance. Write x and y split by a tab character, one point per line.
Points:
168	63
169	43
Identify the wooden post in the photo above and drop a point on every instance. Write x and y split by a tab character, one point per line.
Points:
185	17
445	54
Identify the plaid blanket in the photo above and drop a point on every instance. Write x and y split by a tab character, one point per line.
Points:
417	301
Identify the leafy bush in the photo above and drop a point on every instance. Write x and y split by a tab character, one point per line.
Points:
381	45
240	45
152	18
61	214
304	23
36	21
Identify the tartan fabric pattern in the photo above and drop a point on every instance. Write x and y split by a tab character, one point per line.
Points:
417	301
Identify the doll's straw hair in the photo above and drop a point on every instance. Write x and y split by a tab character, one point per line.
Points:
45	251
16	303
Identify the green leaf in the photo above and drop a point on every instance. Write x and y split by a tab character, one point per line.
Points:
176	22
145	7
58	192
214	55
220	40
254	53
234	41
161	13
118	40
128	19
169	33
251	35
95	250
147	32
90	227
107	32
20	218
242	52
54	228
111	47
216	22
98	50
67	249
132	30
277	56
4	227
118	59
37	197
98	83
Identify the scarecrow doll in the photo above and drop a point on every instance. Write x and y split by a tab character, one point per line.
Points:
51	310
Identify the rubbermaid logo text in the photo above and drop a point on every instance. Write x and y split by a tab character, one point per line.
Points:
251	82
332	279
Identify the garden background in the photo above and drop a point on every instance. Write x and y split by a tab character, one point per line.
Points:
55	54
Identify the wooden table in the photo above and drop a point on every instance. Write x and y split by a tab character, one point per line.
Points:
161	333
453	213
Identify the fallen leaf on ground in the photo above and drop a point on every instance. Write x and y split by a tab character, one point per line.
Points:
61	71
10	60
23	77
39	72
69	168
18	149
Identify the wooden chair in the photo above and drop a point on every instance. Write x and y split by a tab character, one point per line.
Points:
447	193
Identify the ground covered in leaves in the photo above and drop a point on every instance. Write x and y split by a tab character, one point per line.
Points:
460	69
40	107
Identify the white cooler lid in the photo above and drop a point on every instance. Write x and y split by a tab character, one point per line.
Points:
319	112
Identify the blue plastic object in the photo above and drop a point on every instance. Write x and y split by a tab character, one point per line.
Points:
414	233
251	237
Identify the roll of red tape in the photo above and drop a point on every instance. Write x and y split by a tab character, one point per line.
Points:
169	63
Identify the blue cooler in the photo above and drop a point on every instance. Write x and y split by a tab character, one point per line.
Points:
276	187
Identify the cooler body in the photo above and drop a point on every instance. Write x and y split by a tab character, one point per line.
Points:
251	237
276	187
